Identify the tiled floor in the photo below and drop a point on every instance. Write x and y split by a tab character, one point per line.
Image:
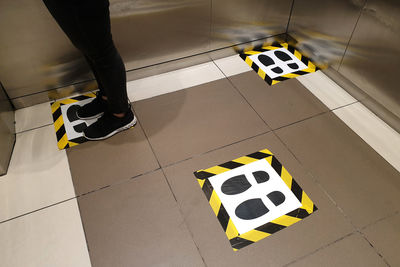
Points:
140	204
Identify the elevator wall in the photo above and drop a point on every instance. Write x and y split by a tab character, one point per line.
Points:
39	63
358	40
7	131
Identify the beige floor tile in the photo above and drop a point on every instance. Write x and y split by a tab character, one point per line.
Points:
38	175
280	104
319	229
173	81
193	121
98	164
232	65
381	137
326	90
385	237
33	117
50	237
137	223
355	176
351	251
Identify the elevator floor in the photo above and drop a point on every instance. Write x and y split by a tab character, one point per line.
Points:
133	200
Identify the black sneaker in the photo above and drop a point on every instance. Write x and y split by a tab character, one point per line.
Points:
93	109
108	125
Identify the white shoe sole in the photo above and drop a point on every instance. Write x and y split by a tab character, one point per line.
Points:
123	128
90	118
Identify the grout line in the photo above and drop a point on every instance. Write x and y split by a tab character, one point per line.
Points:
381	219
244	98
321	248
48	206
35	128
84	230
155	156
376	251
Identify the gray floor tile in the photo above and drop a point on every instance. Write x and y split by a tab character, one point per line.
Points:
385	237
358	179
321	228
353	250
196	120
95	165
137	223
280	104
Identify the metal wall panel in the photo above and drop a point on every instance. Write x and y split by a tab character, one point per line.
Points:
37	57
7	131
237	21
323	28
373	57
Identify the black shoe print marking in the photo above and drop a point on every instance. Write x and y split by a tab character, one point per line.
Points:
266	60
80	127
235	185
261	176
276	197
277	70
71	113
251	209
285	57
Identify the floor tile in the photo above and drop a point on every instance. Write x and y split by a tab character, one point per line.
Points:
50	237
320	228
137	223
38	175
326	90
281	104
385	237
196	120
98	164
33	117
173	81
380	137
358	179
353	250
232	65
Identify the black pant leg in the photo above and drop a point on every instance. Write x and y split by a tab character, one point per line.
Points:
87	24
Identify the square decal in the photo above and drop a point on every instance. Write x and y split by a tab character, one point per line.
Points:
253	197
69	128
277	62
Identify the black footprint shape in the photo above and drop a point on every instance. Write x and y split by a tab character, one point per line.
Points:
71	113
235	185
267	61
253	208
80	127
239	184
285	57
261	176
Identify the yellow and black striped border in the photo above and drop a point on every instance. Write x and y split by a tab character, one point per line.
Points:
239	241
244	54
62	139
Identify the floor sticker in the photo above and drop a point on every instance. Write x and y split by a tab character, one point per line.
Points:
69	128
277	62
253	197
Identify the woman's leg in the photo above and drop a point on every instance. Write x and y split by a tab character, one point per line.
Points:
87	24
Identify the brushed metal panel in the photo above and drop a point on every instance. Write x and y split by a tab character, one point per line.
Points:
373	58
237	21
37	57
148	32
7	131
323	28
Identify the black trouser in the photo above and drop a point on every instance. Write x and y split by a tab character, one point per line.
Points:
87	25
